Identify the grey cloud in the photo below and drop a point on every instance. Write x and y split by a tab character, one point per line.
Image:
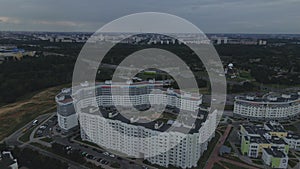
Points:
249	16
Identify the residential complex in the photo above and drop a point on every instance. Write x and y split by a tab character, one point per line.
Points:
268	107
269	141
274	158
178	140
150	140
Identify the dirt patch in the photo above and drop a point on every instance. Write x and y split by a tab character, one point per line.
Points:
16	115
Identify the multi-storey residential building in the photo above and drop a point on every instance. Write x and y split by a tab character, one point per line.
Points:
150	140
7	160
270	106
137	94
270	141
140	95
161	141
66	115
274	158
255	138
293	140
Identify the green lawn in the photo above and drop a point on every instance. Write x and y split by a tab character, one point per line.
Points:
41	146
26	136
293	163
217	166
115	165
47	139
290	128
259	162
205	156
231	166
86	142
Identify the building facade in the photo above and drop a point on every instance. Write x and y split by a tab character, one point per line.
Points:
256	138
136	94
66	115
7	161
274	158
140	136
268	107
149	141
293	140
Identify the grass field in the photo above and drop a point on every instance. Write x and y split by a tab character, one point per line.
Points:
293	163
48	140
26	137
231	166
217	166
15	115
204	158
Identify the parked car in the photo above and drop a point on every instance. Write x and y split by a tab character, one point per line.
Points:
90	156
35	122
84	154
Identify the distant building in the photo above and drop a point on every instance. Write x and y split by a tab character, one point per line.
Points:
269	107
274	158
7	161
9	53
270	141
262	42
219	40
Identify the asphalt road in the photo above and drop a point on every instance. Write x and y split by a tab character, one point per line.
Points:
125	164
13	138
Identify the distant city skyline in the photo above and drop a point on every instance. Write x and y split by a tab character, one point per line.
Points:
211	16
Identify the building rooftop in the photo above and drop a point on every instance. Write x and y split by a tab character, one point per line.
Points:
275	153
258	140
293	136
277	140
259	134
6	160
274	126
254	129
65	96
180	123
270	98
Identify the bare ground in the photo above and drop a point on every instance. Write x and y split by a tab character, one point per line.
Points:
15	115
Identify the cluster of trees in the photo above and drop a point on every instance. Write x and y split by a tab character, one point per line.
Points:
239	88
19	78
34	160
266	75
273	65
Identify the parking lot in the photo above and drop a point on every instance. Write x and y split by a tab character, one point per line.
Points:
95	155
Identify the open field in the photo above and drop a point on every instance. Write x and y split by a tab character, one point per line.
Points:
14	116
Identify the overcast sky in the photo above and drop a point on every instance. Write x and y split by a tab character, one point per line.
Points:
211	16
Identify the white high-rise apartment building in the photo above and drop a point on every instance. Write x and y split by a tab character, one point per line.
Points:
165	142
269	106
